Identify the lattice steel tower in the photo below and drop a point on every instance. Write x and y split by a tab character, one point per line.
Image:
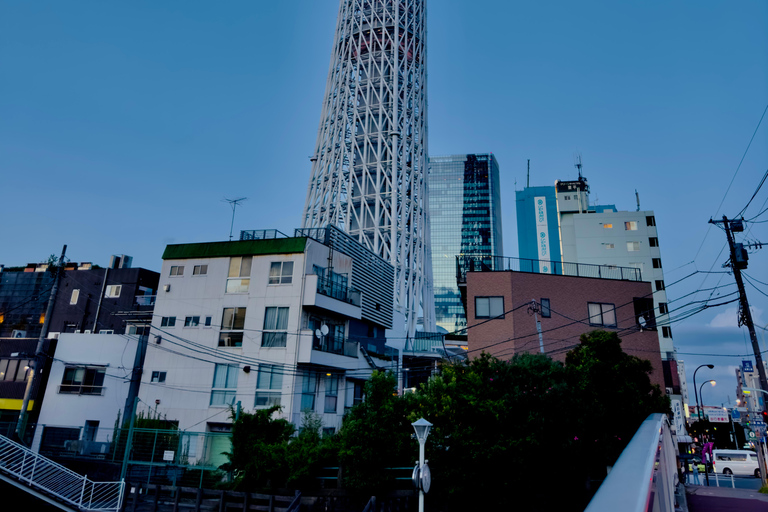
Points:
370	160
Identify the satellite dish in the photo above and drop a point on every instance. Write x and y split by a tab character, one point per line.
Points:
642	322
318	333
324	329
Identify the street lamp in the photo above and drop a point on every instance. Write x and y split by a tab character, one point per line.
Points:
701	395
698	407
421	474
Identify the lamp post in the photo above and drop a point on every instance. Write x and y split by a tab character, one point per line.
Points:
702	395
422	475
695	390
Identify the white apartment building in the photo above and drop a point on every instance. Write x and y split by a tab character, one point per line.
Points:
297	322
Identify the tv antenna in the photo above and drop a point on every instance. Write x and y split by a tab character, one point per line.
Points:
234	203
578	163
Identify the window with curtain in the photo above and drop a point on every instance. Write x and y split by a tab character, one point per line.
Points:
224	387
281	272
602	314
269	385
275	327
489	307
238	279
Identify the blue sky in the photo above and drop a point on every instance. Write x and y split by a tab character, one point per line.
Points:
124	125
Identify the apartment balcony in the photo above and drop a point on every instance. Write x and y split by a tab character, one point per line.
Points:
480	263
329	351
145	300
330	296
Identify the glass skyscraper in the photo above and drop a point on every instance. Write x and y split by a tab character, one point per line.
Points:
465	218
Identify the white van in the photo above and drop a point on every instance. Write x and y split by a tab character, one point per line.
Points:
736	462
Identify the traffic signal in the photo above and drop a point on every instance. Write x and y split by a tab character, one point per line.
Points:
764	415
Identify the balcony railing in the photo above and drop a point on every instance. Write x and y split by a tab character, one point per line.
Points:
76	389
334	345
337	291
479	263
261	234
146	300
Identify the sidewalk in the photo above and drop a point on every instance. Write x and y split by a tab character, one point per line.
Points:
724	499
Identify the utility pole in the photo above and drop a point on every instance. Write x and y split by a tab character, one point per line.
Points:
738	262
34	363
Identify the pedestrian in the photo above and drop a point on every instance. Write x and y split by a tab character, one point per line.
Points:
696	474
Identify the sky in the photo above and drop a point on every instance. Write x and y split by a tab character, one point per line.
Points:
124	126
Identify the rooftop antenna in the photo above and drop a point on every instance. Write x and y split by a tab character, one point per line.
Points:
234	204
637	197
578	164
528	180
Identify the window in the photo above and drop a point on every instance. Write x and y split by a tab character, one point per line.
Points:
281	272
659	285
113	291
208	321
653	241
630	225
224	384
106	331
238	279
168	321
663	309
14	370
610	246
633	246
199	270
666	331
158	377
650	220
546	312
269	385
192	321
357	397
656	262
331	393
607	226
83	380
232	325
308	390
489	307
75	296
275	319
602	314
177	270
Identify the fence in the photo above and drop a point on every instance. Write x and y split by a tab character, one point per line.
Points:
479	263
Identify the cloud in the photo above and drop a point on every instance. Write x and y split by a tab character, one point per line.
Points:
729	318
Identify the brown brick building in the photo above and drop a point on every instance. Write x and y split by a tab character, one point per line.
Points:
501	322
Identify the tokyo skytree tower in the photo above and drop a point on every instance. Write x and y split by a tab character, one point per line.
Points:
370	161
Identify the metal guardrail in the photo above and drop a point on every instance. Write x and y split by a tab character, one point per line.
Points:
480	263
55	480
645	476
334	345
261	234
338	291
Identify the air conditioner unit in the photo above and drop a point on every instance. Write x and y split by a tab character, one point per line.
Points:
166	287
668	390
87	331
158	339
53	335
19	334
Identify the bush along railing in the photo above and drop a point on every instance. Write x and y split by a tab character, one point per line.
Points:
63	484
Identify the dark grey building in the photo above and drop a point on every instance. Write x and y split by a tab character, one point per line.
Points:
465	218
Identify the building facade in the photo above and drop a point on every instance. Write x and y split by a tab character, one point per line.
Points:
369	163
465	218
500	307
297	322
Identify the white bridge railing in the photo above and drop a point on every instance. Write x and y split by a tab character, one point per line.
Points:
57	481
645	476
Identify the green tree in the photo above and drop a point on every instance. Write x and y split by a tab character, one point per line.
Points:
259	450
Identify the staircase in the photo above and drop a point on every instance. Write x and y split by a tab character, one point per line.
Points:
57	484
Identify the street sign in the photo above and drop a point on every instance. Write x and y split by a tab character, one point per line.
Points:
752	435
758	424
717	415
747	365
735	414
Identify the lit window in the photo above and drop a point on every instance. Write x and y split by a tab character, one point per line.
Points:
199	270
192	321
633	246
168	321
607	226
602	314
177	270
275	327
14	370
630	225
83	380
232	325
224	384
269	385
75	296
158	377
113	291
489	307
238	279
281	272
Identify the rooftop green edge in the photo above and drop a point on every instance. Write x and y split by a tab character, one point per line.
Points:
236	248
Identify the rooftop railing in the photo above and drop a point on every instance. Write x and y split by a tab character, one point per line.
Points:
478	263
261	234
334	345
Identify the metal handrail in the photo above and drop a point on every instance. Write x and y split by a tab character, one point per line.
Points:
645	476
63	484
484	263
